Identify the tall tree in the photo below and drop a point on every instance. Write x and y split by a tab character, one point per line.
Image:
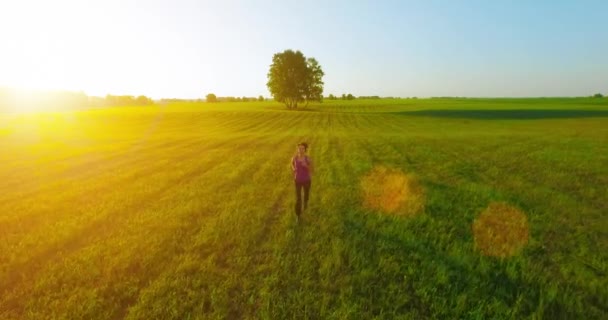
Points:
293	78
211	98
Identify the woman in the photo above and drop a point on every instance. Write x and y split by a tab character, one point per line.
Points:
302	172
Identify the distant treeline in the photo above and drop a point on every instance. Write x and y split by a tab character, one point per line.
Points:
240	99
19	99
213	98
174	100
350	96
597	95
111	100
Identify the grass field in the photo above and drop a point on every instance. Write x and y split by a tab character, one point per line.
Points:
185	211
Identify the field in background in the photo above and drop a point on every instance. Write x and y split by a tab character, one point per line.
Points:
185	211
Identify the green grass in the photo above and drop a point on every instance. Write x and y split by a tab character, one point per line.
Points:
186	211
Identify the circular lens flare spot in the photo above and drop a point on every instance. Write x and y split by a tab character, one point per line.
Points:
392	191
500	230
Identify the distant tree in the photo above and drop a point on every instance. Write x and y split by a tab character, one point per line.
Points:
244	99
331	97
350	97
314	88
120	100
211	97
343	96
143	100
112	100
598	95
261	98
293	79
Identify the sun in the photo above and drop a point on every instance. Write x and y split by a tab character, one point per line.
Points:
23	100
58	46
20	100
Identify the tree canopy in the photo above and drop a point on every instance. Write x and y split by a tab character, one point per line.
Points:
294	79
211	97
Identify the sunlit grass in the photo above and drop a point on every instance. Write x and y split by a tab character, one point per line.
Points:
186	211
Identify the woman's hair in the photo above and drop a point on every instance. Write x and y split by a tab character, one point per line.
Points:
304	144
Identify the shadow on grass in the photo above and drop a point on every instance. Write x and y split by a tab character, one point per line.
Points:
514	114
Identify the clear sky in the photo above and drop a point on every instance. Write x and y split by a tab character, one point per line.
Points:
187	49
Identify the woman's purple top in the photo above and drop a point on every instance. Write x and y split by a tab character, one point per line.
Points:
301	174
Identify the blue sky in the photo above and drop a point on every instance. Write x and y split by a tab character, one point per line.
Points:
389	48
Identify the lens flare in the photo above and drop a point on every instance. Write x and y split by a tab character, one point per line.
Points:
392	191
500	230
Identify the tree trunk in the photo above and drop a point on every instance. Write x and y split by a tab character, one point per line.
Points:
291	103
